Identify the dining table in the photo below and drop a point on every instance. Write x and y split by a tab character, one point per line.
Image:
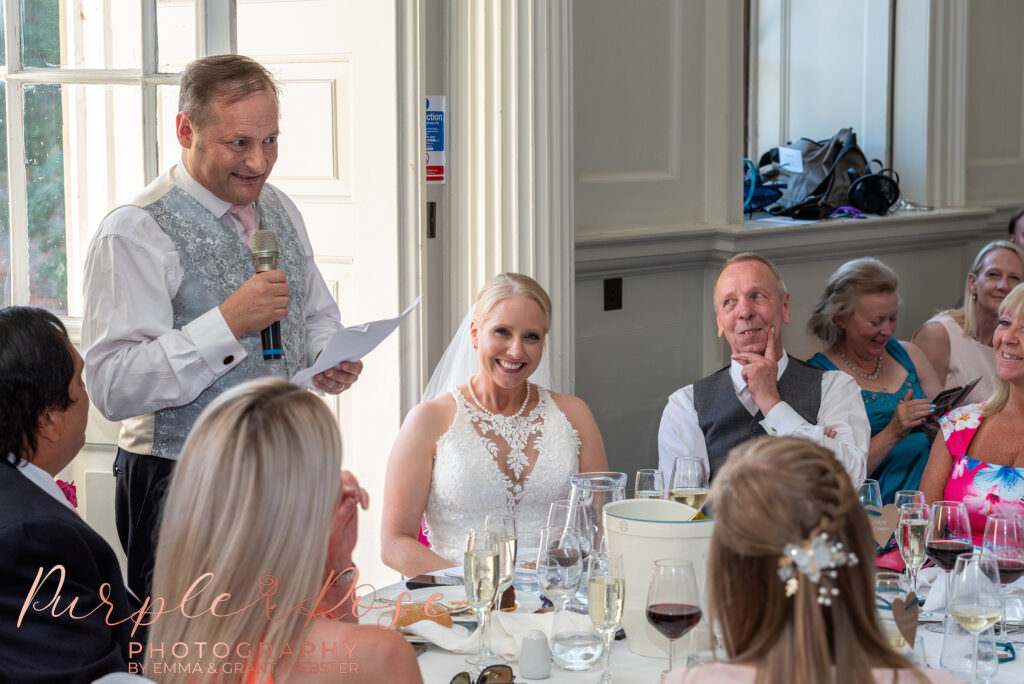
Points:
438	666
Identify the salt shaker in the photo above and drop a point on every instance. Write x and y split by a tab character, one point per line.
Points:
535	656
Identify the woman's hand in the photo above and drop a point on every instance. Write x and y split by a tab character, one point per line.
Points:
910	413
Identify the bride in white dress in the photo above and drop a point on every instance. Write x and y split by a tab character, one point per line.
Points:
497	443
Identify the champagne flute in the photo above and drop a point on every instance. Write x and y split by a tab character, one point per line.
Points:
689	481
1004	541
912	537
974	598
480	575
650	484
504	528
606	593
673	602
949	535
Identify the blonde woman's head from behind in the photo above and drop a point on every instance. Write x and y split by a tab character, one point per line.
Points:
251	504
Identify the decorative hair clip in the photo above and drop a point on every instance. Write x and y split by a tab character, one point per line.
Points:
816	559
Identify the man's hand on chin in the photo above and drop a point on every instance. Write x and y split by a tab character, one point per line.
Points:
761	373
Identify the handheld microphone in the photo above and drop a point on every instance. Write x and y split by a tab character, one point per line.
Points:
264	258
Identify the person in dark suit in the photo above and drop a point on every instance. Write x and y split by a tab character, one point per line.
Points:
43	413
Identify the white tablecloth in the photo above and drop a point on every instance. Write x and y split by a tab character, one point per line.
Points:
439	666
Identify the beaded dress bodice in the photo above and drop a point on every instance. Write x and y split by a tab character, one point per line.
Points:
487	463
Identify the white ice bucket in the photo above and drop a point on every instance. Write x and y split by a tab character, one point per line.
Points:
642	531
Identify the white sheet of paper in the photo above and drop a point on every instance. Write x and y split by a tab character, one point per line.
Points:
351	344
791	159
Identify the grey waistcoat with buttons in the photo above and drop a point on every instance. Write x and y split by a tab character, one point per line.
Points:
726	423
216	262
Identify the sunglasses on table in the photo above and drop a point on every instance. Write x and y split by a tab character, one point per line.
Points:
495	674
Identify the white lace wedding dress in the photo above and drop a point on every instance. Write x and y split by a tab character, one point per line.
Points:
489	463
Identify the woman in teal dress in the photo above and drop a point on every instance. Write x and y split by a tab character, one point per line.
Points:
856	319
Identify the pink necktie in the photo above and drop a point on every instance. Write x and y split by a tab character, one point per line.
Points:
247	217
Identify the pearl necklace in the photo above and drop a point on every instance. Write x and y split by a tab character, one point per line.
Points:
870	377
472	395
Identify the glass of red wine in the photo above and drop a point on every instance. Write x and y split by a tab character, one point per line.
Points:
673	602
949	535
1004	540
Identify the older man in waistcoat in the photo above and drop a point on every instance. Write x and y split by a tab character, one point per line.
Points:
174	307
763	390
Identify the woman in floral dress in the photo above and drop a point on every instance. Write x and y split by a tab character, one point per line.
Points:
980	458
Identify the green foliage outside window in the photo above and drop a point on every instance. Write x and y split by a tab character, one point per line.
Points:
44	164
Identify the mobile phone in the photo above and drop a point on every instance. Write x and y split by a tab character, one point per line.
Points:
420	581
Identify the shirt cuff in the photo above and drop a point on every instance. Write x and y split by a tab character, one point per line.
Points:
782	420
215	342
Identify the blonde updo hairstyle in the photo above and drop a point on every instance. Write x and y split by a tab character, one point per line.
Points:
844	288
505	285
775	491
251	502
966	316
1012	307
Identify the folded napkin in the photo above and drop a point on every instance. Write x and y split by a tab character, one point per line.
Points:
932	581
506	632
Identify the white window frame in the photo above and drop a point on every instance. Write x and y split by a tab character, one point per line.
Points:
215	34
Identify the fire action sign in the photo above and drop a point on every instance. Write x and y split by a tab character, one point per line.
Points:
435	139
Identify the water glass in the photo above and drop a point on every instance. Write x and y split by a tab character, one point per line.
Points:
870	495
649	484
1004	541
909	496
890	586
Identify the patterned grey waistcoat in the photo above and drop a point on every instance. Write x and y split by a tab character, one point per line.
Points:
216	262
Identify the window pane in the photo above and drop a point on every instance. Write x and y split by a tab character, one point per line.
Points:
83	158
176	34
93	34
44	172
3	37
5	206
166	134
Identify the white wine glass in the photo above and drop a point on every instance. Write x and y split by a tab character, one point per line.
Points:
649	484
974	599
689	481
1004	541
673	602
606	593
480	576
912	537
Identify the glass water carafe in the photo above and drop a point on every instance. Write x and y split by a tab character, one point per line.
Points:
590	492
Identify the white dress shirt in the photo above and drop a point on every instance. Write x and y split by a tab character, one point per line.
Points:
842	424
44	481
136	362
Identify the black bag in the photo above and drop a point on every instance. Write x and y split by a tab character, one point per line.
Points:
875	192
829	168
